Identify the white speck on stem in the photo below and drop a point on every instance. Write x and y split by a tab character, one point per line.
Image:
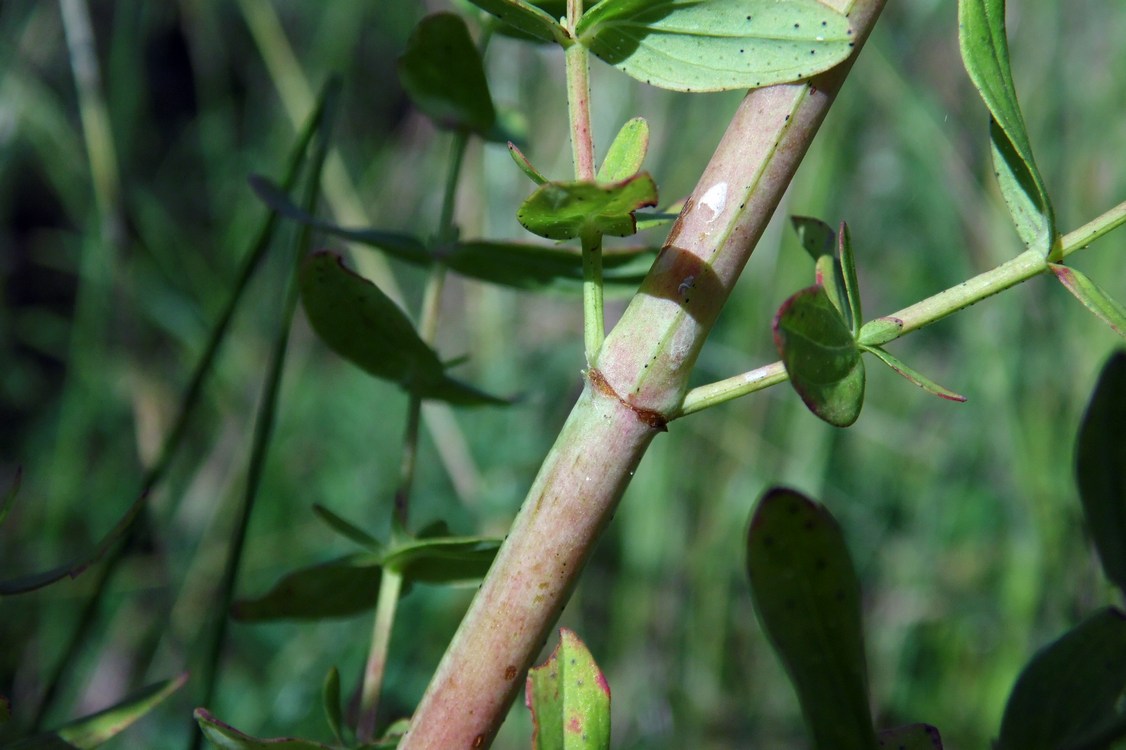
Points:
715	199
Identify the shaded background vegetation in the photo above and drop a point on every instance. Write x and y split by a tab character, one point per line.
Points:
962	518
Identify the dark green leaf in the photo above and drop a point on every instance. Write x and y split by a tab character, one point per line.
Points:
525	165
717	45
1071	686
807	597
75	567
847	264
985	54
226	737
626	153
820	241
912	375
330	697
442	73
360	323
528	18
541	268
564	210
338	588
443	560
347	529
96	729
821	356
1100	455
569	699
910	737
1105	307
401	246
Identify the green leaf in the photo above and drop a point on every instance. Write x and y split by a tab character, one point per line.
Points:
565	210
880	331
717	45
226	737
10	495
541	268
626	153
528	18
1106	308
1070	687
75	567
360	323
807	597
401	246
821	356
847	264
330	698
985	54
912	375
569	699
910	737
338	588
96	729
525	164
443	560
1100	455
820	241
347	529
442	73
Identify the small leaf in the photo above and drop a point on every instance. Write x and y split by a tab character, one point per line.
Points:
542	268
527	18
565	210
75	567
626	153
401	246
443	560
880	331
847	264
1100	455
820	241
347	529
910	737
1070	687
338	588
718	45
1105	307
525	165
330	697
225	736
569	699
442	73
821	356
912	375
985	54
360	323
807	597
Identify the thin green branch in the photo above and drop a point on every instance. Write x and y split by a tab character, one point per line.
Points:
594	316
390	586
722	391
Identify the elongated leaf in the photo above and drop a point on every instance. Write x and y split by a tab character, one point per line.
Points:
226	737
1100	455
821	356
1105	307
807	597
401	246
626	153
525	164
445	560
847	264
527	18
541	268
565	210
75	567
339	588
911	737
716	45
569	699
330	698
347	529
96	729
442	73
880	331
360	323
1071	686
820	241
913	375
985	54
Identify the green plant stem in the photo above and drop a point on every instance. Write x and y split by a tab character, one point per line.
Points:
639	383
725	390
390	586
594	316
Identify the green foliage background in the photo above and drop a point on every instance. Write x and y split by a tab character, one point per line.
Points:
962	518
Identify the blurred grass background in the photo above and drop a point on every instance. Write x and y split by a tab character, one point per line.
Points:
962	518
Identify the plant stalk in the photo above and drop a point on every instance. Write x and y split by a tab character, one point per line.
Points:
390	586
639	383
